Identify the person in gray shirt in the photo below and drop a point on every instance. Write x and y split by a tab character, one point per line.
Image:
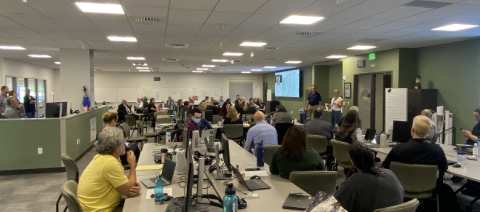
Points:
281	116
3	98
12	112
370	188
317	126
433	126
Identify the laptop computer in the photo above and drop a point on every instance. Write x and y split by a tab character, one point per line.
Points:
167	174
297	202
251	185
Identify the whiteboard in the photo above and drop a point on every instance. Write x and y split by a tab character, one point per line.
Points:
105	94
181	93
130	94
202	92
395	106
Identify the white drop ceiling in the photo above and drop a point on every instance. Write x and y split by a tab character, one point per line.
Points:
46	26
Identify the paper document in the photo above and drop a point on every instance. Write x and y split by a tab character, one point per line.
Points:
149	167
252	173
152	191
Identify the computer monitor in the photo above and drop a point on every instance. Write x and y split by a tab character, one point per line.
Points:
370	134
208	115
52	109
226	152
401	132
209	107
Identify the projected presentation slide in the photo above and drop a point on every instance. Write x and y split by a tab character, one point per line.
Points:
287	83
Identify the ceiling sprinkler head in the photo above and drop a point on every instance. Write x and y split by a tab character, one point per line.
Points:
220	26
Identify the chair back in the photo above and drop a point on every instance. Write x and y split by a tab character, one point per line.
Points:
216	119
249	118
130	120
170	112
314	181
70	166
317	142
410	206
164	120
69	193
140	127
281	130
233	131
268	153
417	180
340	152
126	130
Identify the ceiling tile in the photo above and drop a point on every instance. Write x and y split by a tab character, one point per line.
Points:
230	19
284	7
394	34
243	6
329	24
213	32
57	34
272	34
37	23
76	25
119	28
369	8
187	17
447	11
71	43
90	36
194	5
6	23
147	11
398	13
15	8
149	38
25	33
158	29
182	30
328	8
477	2
146	3
57	9
260	21
244	33
46	43
366	24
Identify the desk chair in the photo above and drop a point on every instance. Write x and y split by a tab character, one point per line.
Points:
69	192
342	157
72	172
130	120
145	115
234	132
417	180
409	206
126	133
281	130
319	143
268	153
314	181
147	134
170	112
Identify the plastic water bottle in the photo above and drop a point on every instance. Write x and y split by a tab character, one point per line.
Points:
230	200
475	151
174	114
260	154
168	136
478	145
210	141
158	191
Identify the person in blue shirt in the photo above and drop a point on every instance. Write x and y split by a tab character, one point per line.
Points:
262	131
221	101
313	99
472	188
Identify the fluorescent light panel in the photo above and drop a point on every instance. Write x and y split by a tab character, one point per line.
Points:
122	39
298	19
12	48
236	54
293	62
143	68
253	44
256	70
336	56
202	69
208	66
455	27
135	58
220	61
39	56
58	63
246	72
197	71
88	7
270	67
360	47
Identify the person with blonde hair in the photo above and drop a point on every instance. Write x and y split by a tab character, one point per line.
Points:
250	108
416	151
232	117
202	106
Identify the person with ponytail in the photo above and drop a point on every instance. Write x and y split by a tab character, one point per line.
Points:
370	188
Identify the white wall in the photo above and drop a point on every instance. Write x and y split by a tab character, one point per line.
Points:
174	80
14	68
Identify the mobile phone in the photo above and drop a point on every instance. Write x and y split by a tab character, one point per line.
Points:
461	129
252	169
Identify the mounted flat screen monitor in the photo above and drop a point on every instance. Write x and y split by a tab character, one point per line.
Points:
287	83
52	109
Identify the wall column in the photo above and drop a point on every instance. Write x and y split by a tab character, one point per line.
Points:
2	72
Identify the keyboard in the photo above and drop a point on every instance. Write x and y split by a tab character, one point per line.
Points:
256	185
176	205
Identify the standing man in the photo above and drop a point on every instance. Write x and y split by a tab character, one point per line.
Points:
169	102
3	98
313	99
124	110
221	101
29	104
262	131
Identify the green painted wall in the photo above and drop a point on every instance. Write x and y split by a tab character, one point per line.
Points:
408	68
292	104
21	140
322	81
336	80
454	69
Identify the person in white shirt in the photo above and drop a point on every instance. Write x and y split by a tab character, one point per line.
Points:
170	102
139	105
336	104
433	126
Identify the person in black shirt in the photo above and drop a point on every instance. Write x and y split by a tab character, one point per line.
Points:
472	187
232	117
313	99
29	104
151	111
416	151
215	108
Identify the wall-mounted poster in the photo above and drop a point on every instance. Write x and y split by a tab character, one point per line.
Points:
347	89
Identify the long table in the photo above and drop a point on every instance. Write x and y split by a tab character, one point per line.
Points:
470	169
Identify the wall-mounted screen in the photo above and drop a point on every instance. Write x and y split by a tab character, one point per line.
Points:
287	83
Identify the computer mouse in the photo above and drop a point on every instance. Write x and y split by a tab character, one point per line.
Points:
167	198
242	204
255	177
456	165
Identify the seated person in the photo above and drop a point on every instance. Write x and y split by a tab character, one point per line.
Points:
139	106
262	131
170	102
124	110
294	155
433	127
354	108
240	106
472	188
232	117
151	111
186	108
349	131
221	101
145	103
224	111
20	105
196	122
317	126
202	106
12	111
369	188
249	108
215	108
281	116
103	182
416	151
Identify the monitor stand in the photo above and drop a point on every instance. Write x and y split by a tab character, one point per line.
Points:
218	174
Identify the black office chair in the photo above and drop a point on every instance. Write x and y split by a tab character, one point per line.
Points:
281	130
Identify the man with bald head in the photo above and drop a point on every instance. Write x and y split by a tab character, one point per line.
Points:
416	151
124	110
262	131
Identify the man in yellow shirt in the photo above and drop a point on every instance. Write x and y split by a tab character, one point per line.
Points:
103	181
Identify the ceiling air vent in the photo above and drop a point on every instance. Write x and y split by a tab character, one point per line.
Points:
156	78
171	60
427	4
306	34
274	59
177	45
144	20
223	65
270	48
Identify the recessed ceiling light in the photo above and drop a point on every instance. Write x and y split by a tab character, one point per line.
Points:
256	70
12	48
143	68
336	56
232	54
220	61
122	39
197	71
39	56
208	66
360	47
246	72
253	44
270	67
88	7
455	27
202	69
58	63
135	58
298	19
293	62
